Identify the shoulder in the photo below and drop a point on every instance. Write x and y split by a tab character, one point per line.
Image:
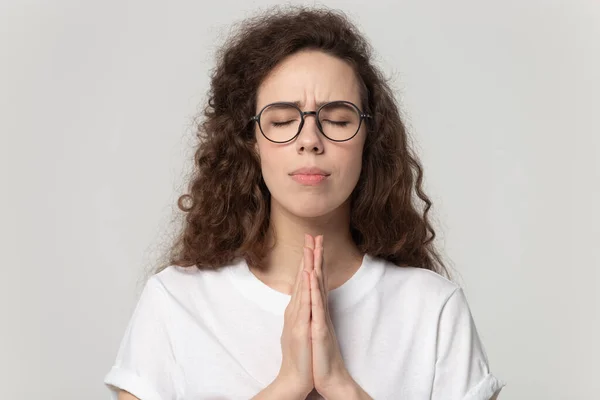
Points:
180	286
419	287
421	279
175	276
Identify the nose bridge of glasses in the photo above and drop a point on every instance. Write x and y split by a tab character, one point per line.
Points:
305	113
303	123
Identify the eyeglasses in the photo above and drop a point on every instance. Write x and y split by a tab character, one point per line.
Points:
282	122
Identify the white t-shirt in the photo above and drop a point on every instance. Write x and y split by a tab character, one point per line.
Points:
404	333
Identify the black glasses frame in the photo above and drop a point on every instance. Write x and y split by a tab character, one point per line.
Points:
362	116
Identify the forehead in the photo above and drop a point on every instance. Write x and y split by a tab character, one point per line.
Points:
309	77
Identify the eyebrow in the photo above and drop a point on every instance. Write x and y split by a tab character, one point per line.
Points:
298	103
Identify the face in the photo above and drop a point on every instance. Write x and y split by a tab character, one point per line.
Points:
310	78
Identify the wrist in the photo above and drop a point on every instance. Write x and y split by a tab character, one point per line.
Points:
346	389
350	391
287	389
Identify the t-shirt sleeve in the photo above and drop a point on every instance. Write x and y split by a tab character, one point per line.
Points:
145	365
461	368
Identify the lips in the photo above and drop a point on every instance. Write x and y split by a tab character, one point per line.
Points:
314	179
310	171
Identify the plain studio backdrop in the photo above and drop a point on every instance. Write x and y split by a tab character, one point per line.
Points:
97	102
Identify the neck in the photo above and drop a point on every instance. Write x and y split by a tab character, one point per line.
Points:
341	255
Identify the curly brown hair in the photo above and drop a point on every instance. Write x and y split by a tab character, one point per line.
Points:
228	203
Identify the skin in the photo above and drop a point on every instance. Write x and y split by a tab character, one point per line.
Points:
123	395
310	77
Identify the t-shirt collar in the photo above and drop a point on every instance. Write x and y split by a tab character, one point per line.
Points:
340	298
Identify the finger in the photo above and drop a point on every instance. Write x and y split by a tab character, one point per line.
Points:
297	290
323	269
311	241
309	262
319	275
298	283
320	264
318	256
316	301
305	257
305	300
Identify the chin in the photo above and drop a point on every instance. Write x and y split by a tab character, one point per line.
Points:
310	211
305	205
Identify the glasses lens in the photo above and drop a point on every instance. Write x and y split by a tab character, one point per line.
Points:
280	122
339	121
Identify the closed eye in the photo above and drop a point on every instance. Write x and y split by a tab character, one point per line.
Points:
276	124
341	124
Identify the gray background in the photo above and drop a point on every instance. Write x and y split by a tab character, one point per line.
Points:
97	101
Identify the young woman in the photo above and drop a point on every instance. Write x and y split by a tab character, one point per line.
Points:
303	269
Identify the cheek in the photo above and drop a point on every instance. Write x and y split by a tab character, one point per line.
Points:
271	165
353	165
352	174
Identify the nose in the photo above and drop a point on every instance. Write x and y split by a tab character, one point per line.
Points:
309	138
